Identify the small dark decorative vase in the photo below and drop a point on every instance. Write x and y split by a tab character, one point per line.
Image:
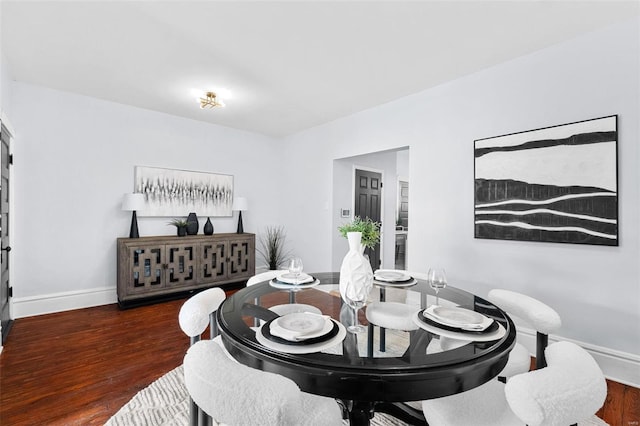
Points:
182	231
208	227
192	224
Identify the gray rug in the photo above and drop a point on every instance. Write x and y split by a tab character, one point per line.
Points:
165	402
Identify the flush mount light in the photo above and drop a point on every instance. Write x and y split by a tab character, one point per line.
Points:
210	100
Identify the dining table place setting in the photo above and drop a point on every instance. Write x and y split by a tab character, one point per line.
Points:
300	333
393	278
290	281
459	323
294	278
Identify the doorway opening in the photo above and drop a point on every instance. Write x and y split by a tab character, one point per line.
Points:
391	165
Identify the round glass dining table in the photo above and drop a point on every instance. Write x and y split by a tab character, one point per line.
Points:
356	370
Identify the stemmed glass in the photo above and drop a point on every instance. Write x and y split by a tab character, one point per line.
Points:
295	268
437	280
355	296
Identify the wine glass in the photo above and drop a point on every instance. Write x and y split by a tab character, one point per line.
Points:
355	296
437	280
295	268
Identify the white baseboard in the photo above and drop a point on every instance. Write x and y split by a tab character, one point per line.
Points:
57	302
618	366
621	367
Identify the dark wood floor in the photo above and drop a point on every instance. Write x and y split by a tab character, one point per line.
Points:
79	367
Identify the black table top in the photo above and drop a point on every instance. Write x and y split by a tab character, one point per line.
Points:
403	373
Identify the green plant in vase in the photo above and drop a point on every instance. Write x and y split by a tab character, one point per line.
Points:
181	226
369	229
356	273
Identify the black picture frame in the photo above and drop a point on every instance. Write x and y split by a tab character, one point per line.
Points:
553	184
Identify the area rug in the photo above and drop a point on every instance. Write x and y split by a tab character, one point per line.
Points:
165	402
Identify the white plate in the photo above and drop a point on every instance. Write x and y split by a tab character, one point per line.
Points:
391	276
290	278
284	286
300	323
395	284
295	336
458	317
303	349
461	335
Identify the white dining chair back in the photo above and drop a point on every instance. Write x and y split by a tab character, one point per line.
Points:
544	319
264	276
570	390
234	394
395	312
195	315
198	312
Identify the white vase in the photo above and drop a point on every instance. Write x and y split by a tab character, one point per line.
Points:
355	267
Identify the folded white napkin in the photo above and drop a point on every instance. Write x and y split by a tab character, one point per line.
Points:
462	318
391	276
291	279
300	326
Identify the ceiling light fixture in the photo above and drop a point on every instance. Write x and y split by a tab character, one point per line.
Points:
210	100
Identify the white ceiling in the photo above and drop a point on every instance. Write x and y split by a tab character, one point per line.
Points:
289	65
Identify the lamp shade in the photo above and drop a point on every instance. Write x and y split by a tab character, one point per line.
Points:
240	204
132	202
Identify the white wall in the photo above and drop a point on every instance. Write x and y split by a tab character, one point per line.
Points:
75	158
5	86
595	289
5	77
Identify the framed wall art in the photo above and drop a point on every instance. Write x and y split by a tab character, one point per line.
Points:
170	192
555	184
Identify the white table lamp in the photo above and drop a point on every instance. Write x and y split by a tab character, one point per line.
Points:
132	203
240	204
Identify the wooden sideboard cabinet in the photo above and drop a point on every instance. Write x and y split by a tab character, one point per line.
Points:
153	267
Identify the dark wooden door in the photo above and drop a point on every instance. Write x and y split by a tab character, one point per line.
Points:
369	204
403	204
5	294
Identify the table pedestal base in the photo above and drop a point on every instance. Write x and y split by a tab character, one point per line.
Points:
360	413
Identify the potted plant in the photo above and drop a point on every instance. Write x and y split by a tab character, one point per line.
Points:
356	274
368	229
181	226
271	247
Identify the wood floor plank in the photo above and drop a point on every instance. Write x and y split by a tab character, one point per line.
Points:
79	367
631	406
613	406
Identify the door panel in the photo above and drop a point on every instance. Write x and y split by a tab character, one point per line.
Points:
5	316
368	199
403	204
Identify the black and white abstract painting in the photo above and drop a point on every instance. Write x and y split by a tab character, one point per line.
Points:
556	184
170	192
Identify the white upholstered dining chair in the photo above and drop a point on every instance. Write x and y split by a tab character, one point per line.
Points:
264	276
391	314
195	315
571	389
544	320
234	394
533	312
